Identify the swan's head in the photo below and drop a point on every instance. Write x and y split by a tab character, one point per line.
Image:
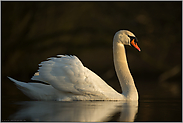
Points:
127	38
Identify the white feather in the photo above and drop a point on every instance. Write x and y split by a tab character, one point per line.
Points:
68	74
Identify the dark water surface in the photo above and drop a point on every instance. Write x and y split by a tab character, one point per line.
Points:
160	110
93	111
156	103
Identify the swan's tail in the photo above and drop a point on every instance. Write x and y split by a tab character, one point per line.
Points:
21	85
36	91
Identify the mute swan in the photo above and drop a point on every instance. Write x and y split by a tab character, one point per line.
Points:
67	79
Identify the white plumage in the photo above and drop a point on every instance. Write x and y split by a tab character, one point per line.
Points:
69	80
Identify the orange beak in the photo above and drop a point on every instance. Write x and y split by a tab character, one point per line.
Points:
135	45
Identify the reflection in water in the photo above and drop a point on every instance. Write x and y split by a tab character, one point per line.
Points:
90	111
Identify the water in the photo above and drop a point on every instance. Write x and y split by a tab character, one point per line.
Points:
156	103
160	110
93	111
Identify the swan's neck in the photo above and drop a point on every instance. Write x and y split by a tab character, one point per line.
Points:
125	78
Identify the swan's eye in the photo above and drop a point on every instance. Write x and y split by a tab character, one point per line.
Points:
132	37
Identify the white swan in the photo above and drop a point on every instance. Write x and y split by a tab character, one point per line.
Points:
67	79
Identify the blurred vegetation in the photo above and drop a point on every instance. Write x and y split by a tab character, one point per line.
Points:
34	31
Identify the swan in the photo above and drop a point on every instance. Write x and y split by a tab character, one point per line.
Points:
66	79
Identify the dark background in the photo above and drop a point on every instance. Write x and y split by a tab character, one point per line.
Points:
34	31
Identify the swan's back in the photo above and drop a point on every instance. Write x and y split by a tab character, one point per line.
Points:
70	80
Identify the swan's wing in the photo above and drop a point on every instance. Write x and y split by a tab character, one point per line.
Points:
68	74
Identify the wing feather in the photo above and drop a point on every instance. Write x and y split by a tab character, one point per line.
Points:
67	74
